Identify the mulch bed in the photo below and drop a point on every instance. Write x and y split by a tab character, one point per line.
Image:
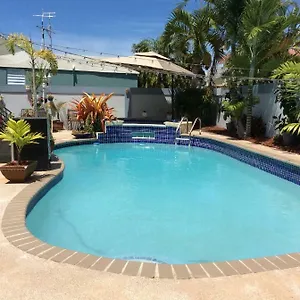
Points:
256	140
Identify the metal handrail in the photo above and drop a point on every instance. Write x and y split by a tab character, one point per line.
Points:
200	124
4	114
181	121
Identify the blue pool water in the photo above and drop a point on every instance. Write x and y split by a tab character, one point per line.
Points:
166	203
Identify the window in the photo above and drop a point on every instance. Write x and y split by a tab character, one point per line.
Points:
15	77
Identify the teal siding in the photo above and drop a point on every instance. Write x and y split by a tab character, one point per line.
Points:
62	78
86	79
66	78
2	76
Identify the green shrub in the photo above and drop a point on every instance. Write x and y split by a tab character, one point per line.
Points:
194	103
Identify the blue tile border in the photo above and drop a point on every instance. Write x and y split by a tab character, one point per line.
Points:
273	166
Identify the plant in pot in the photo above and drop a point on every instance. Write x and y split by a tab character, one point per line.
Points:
18	134
55	108
235	112
93	112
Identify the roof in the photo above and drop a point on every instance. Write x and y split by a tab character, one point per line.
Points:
151	54
65	62
89	64
150	62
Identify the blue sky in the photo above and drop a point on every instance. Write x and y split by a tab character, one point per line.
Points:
110	26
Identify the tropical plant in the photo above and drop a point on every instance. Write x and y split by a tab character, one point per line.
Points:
193	103
235	112
56	107
288	94
293	128
257	55
94	108
194	41
40	73
19	133
38	60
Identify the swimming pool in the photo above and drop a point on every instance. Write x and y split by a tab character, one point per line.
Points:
167	204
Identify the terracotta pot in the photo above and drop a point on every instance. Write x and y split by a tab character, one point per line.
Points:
18	173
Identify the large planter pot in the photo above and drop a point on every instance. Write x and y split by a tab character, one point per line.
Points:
289	139
82	135
18	173
58	125
231	127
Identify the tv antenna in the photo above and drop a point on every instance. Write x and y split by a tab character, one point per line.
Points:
47	29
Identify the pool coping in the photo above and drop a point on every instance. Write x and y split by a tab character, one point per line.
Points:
15	231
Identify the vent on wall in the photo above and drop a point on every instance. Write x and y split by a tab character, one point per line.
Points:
15	77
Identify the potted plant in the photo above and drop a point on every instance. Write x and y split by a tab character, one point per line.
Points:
93	112
55	112
85	132
235	112
18	134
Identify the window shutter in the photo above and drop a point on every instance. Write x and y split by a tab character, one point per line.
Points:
15	77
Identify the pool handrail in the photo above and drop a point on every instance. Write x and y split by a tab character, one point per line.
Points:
181	121
200	125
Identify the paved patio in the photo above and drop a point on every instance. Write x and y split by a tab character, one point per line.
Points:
23	276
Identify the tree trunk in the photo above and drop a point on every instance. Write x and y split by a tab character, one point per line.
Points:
35	109
240	129
19	156
250	100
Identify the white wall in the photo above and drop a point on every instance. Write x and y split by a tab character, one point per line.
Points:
266	108
18	101
15	102
156	102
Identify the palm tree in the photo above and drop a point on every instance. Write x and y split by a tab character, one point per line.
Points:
193	40
289	73
148	45
18	133
37	59
268	30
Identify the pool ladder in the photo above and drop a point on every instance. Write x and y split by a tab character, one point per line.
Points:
187	137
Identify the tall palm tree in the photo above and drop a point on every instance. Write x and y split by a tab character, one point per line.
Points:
268	31
21	41
193	40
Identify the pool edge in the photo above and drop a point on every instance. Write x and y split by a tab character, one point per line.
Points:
15	231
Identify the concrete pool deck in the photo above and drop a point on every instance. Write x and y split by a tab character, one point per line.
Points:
23	276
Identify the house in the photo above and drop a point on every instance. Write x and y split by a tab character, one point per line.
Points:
75	75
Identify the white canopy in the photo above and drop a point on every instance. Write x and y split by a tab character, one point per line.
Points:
149	61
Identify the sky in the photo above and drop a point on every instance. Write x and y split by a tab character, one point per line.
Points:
102	26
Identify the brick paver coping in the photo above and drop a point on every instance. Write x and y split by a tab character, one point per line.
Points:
15	230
